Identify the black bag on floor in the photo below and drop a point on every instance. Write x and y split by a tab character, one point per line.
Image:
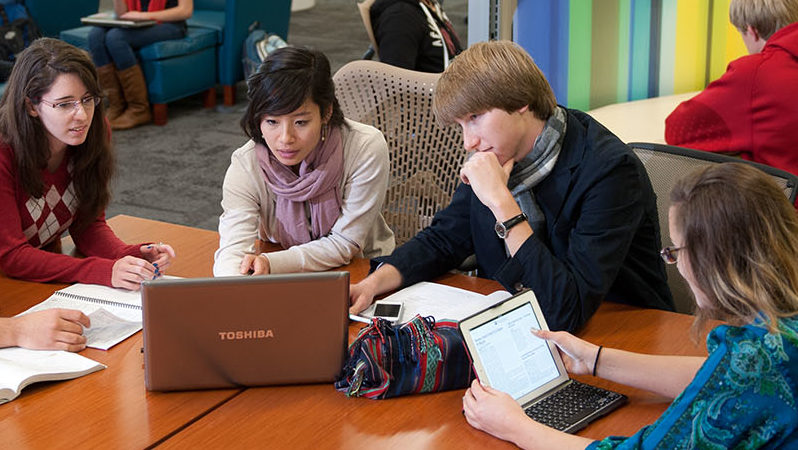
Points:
17	31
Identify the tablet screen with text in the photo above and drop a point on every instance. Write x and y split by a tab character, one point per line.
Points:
515	361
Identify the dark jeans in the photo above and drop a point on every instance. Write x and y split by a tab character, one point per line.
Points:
118	44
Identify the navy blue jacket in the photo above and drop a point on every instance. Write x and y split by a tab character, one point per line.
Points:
603	228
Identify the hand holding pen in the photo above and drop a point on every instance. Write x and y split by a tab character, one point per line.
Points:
160	255
128	272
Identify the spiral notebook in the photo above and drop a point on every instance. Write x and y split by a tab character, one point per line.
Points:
115	314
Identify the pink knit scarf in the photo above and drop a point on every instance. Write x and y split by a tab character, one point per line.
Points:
318	184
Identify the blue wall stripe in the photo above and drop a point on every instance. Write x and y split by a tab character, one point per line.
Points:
543	33
639	47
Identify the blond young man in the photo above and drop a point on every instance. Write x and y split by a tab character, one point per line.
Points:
550	199
752	110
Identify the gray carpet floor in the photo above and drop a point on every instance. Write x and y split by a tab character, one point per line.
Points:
174	173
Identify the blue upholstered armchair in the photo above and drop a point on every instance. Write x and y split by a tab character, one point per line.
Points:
210	54
232	18
53	16
174	69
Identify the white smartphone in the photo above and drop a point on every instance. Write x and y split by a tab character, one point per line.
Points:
390	311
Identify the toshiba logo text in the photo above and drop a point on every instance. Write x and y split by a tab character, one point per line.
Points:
247	334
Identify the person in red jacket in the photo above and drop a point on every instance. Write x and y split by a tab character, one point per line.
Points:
56	163
752	110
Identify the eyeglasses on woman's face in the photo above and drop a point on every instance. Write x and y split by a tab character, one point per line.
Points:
668	254
71	106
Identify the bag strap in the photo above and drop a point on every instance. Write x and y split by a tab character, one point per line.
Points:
3	14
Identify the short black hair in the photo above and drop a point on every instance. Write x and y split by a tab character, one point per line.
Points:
285	79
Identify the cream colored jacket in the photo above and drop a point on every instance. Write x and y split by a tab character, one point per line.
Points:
360	231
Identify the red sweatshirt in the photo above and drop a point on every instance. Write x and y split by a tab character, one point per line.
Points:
751	110
28	224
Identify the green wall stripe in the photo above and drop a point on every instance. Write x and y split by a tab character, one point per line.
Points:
579	33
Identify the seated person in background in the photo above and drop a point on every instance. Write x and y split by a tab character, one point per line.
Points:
550	199
735	241
51	329
414	34
112	50
752	110
308	179
56	164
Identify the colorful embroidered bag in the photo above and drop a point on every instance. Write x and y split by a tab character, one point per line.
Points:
415	357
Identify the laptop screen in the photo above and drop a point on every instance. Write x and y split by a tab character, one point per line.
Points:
515	361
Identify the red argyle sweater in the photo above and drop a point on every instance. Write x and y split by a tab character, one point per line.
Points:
27	224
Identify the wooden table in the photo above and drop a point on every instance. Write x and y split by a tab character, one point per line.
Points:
111	408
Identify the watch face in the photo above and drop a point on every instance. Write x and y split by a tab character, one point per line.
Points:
501	231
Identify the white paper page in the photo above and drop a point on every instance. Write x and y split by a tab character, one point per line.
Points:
108	330
20	367
112	320
55	301
440	301
119	313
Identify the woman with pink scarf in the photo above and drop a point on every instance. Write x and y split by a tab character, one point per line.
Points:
308	179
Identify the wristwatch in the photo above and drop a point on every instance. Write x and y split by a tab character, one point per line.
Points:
503	227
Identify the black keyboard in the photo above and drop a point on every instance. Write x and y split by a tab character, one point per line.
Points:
572	407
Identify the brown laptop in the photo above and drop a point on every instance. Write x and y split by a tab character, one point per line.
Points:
202	333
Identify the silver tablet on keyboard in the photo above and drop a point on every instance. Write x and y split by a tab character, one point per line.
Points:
508	357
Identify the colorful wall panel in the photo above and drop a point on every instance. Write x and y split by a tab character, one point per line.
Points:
596	52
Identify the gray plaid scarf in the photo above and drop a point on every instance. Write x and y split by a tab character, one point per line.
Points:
536	166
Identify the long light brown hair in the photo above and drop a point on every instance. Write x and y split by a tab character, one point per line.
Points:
740	234
34	73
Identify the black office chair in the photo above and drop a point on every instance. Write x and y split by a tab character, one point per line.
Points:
665	165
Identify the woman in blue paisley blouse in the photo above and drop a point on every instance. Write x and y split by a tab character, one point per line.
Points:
735	241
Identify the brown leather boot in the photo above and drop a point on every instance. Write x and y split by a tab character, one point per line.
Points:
138	107
112	90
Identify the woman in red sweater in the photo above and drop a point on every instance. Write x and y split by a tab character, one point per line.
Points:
56	164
